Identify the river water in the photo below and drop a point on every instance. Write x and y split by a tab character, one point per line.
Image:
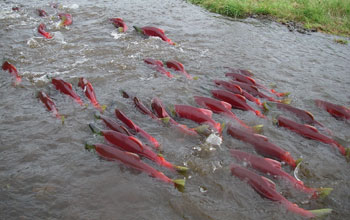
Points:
47	174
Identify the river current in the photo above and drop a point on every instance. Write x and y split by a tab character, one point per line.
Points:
45	171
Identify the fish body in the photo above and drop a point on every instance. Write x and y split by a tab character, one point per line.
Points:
134	145
158	65
162	114
219	107
129	159
50	105
337	111
267	189
229	86
241	78
273	168
6	66
199	115
173	64
143	108
248	80
262	145
305	116
128	122
89	92
254	91
119	23
114	125
42	13
154	32
41	30
66	18
309	132
234	88
67	89
236	100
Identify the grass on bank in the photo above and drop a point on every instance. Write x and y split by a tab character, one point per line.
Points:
330	16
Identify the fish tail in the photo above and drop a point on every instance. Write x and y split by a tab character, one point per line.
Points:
342	149
233	116
320	212
280	94
259	114
121	29
258	102
47	35
179	184
289	160
162	162
181	169
170	42
78	100
347	154
323	192
303	212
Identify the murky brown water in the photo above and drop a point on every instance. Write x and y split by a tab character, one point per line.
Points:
47	174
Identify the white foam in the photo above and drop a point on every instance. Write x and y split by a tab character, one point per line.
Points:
72	6
214	139
116	34
32	43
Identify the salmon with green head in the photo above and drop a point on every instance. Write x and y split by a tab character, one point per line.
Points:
134	145
133	160
273	168
266	188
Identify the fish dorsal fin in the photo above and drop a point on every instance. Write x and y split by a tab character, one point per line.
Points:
148	60
228	106
121	116
68	84
254	87
133	155
269	182
181	65
311	128
310	114
239	88
161	30
158	63
251	80
125	130
274	163
261	136
164	113
241	97
137	141
207	112
217	82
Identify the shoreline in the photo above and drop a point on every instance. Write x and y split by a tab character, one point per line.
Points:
328	16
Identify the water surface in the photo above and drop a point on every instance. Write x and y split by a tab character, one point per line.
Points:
47	174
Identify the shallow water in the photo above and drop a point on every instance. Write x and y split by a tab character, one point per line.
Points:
47	174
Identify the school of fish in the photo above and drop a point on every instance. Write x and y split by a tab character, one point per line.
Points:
129	144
